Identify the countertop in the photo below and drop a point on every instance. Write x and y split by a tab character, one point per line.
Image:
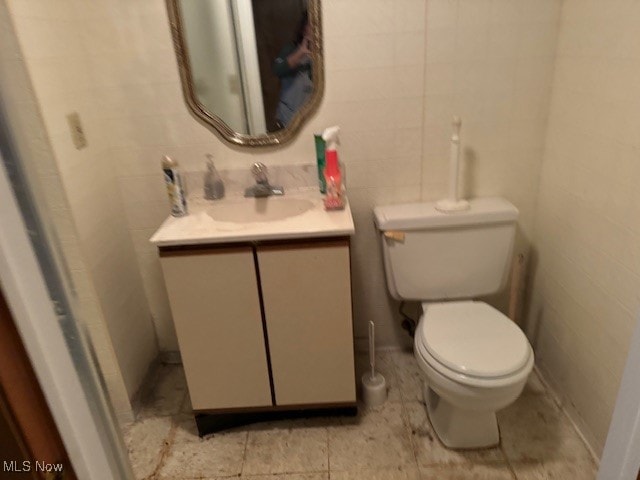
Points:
200	227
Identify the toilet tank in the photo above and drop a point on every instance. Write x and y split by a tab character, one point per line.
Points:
430	255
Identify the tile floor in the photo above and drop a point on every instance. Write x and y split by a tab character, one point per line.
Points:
392	442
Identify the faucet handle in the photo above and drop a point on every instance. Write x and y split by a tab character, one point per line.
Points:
259	171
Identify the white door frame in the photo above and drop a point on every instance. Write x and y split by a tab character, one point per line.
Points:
621	456
23	284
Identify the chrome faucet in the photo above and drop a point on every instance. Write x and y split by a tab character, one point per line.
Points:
259	171
262	188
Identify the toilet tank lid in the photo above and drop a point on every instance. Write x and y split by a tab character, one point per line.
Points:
413	216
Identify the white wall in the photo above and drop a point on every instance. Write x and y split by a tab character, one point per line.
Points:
28	133
89	210
491	62
395	73
587	231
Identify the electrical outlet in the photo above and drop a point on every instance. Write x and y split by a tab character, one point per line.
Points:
77	133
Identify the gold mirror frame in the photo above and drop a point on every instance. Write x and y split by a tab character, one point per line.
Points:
215	123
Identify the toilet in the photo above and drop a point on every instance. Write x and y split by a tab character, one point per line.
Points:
475	360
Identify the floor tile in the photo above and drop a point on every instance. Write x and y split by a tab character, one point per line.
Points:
168	395
471	472
430	451
392	442
145	441
220	454
533	429
384	366
377	438
582	470
409	376
399	473
286	447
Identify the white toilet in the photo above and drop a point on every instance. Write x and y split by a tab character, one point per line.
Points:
475	359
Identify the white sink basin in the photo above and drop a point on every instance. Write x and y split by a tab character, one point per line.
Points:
251	210
238	219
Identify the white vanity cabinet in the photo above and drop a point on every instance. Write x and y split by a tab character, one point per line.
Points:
215	303
306	290
264	326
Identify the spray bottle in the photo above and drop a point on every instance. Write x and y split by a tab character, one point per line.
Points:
175	189
334	198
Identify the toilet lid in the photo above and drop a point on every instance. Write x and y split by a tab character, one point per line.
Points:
473	338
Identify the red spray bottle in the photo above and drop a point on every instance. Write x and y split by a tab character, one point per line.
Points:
334	198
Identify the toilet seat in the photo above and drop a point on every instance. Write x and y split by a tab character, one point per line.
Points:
473	344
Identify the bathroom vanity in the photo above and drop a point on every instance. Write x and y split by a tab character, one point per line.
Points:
262	307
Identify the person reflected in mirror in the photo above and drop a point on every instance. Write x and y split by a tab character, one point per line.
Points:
293	67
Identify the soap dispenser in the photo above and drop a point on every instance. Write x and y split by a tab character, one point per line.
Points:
213	185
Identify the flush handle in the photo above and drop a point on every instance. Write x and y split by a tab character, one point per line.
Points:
396	235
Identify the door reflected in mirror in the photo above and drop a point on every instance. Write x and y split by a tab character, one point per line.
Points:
252	66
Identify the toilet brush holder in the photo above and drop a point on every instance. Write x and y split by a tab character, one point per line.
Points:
374	390
374	386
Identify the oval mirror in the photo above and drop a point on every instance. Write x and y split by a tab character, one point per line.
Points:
251	70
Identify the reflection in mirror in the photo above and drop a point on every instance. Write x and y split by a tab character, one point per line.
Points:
252	69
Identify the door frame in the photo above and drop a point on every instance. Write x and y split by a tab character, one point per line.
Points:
621	455
89	446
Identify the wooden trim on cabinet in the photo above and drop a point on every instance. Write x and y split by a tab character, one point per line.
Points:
184	250
205	248
353	322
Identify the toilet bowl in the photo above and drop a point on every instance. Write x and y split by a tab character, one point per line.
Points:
475	361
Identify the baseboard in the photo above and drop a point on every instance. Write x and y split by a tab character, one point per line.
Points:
569	412
126	418
145	387
148	383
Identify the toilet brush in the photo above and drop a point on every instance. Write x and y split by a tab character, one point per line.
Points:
374	386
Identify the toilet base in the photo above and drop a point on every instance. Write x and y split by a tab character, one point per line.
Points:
457	428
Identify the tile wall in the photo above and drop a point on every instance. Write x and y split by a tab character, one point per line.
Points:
396	73
491	62
31	143
587	231
59	70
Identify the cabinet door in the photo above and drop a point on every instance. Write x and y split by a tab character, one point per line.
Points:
306	292
216	311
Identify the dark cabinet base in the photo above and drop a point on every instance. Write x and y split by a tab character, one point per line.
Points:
212	422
